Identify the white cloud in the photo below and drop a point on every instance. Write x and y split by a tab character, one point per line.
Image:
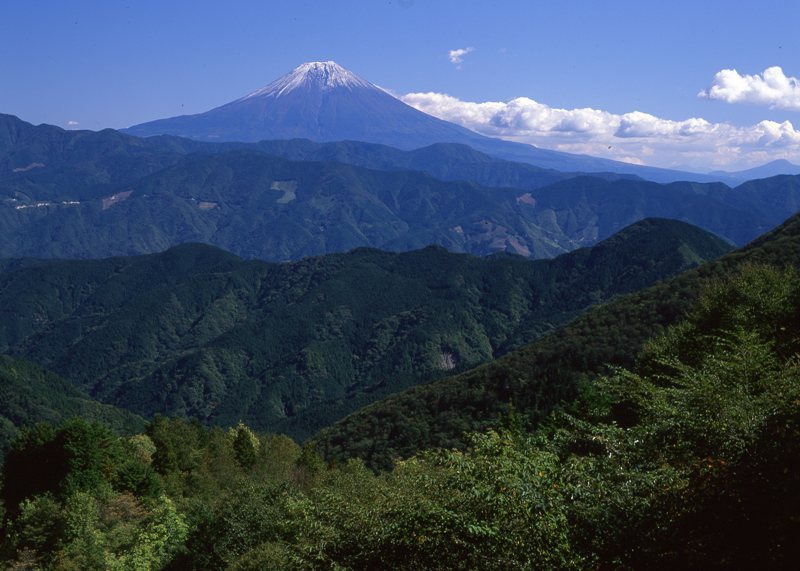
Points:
635	137
772	88
457	56
72	123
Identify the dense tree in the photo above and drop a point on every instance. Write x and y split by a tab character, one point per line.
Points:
79	456
544	374
672	464
687	457
198	332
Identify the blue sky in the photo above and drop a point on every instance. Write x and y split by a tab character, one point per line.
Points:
114	64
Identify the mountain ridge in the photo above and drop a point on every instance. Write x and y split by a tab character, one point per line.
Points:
534	380
197	331
86	194
768	169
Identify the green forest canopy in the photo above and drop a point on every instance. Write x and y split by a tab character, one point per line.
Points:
686	459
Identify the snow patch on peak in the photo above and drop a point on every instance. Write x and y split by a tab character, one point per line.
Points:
323	75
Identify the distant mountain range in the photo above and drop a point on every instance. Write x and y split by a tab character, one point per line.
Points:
94	194
772	168
294	347
94	163
323	102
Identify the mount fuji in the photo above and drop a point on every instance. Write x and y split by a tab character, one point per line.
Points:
324	102
321	101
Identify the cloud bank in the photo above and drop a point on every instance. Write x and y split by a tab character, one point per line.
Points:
772	88
635	137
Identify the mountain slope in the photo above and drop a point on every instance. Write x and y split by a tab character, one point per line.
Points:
322	101
42	163
317	100
547	372
294	347
589	207
261	206
29	394
48	163
257	205
772	168
445	161
83	194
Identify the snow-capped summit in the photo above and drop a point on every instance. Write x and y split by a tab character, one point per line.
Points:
318	100
324	75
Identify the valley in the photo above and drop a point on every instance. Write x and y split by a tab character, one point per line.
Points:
198	332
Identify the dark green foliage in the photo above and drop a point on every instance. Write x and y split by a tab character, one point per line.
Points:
708	451
700	471
682	454
29	395
34	466
294	347
247	518
74	505
135	471
78	457
538	377
177	444
232	507
687	459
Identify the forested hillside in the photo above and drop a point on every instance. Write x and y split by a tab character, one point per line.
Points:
536	378
475	316
89	195
29	394
688	459
294	347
